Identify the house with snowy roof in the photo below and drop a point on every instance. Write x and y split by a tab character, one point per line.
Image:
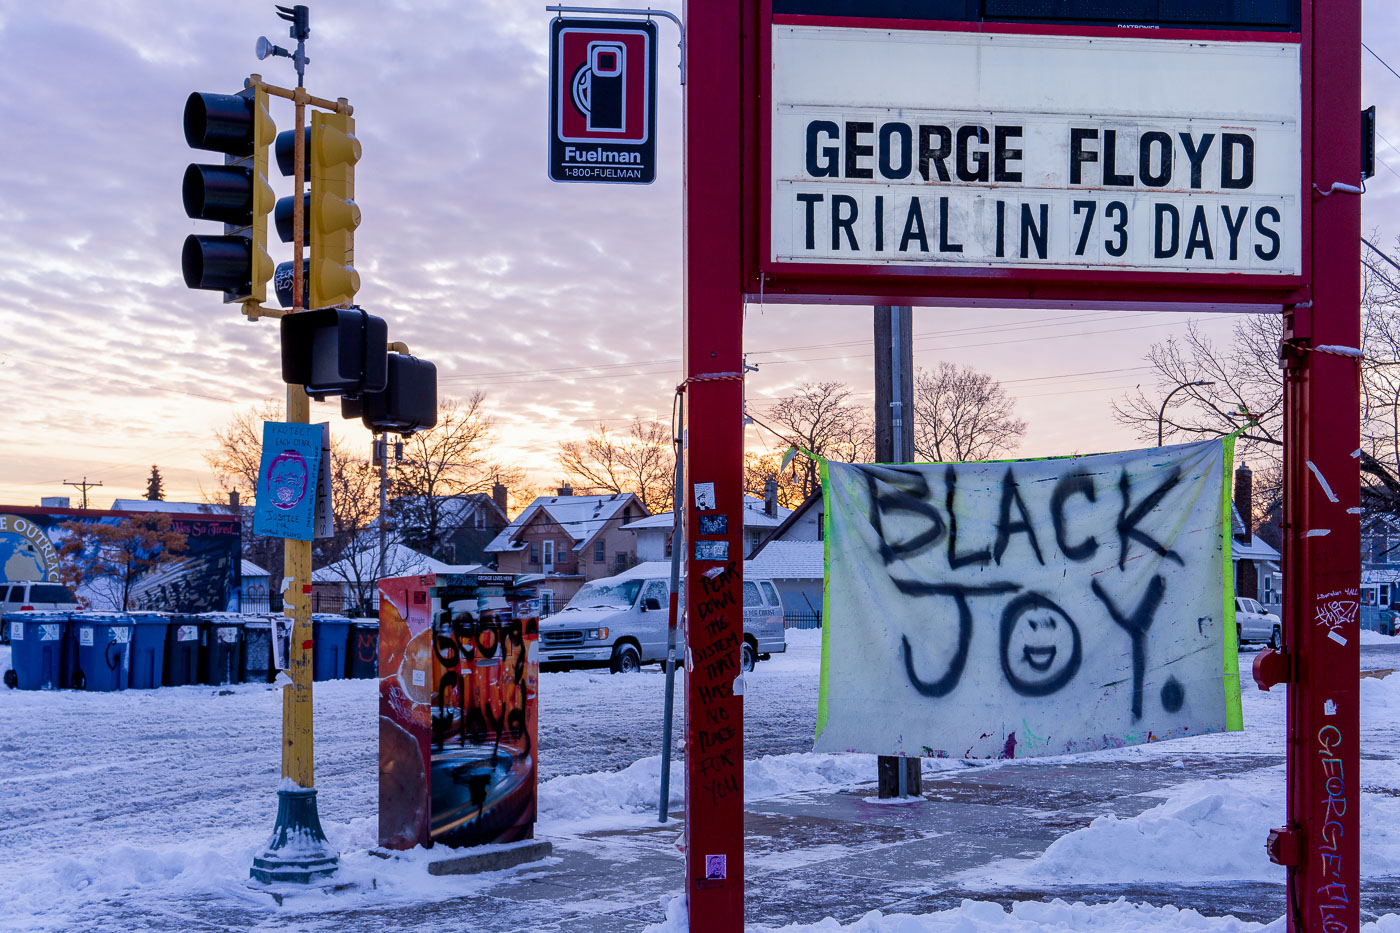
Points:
761	518
563	541
454	529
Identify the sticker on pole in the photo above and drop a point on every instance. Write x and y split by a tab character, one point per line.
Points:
602	101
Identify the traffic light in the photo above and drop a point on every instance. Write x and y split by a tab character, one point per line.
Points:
333	214
236	193
408	402
335	351
282	279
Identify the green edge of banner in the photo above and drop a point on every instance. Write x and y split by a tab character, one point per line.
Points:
826	601
1234	715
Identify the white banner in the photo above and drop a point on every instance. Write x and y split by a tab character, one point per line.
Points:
1004	610
922	147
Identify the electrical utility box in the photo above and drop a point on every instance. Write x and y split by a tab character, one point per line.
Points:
458	710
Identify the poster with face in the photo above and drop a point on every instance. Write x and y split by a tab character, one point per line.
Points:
1011	609
287	476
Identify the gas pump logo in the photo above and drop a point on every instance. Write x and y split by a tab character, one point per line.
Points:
598	85
605	92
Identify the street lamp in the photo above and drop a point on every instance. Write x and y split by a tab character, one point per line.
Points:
1163	411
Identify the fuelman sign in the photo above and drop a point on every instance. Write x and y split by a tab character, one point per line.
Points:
1010	150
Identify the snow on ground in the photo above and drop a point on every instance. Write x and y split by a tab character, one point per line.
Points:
1055	916
165	796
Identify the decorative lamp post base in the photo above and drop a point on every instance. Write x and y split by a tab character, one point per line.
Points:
298	851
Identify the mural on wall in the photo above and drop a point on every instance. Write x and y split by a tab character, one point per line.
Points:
205	578
458	725
1011	609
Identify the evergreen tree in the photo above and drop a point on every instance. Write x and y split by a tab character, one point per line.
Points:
155	487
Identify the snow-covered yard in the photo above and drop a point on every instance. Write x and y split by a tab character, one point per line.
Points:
142	810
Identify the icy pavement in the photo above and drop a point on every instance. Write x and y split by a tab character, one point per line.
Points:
142	810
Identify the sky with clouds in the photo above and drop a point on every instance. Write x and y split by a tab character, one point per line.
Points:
562	302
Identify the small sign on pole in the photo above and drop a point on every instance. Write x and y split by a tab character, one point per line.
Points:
287	475
602	101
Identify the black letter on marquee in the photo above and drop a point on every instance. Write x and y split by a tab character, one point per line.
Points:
906	145
914	227
1195	156
1272	252
839	223
1199	238
1029	231
829	167
1110	162
1234	225
1228	178
1078	155
1003	155
811	201
1136	625
1160	213
855	151
938	155
1164	175
944	245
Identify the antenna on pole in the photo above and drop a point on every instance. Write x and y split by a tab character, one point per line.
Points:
300	18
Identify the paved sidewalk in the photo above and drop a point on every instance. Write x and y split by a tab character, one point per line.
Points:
809	856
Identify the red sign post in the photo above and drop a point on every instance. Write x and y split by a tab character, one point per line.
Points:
808	180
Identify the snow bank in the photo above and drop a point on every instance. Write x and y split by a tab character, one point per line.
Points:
1369	637
1056	916
577	803
1205	831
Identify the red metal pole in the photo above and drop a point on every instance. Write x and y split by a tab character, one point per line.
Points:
1322	538
714	715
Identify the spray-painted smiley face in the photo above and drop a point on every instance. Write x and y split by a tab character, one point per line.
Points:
1040	645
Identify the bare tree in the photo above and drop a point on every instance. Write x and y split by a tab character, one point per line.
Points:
451	459
643	462
760	468
234	460
961	414
1247	384
1248	387
820	418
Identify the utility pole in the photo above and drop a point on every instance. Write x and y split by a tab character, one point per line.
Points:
894	443
381	454
84	486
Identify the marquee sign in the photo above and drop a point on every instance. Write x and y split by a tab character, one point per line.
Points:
891	150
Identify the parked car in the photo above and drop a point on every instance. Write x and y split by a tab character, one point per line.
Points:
24	595
621	622
1254	623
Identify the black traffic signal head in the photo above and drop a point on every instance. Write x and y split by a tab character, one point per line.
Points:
407	404
236	194
335	351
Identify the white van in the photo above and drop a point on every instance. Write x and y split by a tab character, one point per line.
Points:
622	621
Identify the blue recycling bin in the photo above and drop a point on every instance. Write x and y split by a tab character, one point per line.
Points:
103	650
330	639
149	630
36	649
222	653
182	650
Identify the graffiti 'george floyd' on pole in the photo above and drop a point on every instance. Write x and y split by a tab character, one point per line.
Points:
867	156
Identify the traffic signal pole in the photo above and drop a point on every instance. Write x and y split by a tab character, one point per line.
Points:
298	850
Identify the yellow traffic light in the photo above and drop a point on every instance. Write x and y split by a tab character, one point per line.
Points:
237	193
334	215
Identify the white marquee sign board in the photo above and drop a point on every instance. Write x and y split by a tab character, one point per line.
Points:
930	148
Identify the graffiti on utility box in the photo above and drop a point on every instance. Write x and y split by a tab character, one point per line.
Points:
1004	610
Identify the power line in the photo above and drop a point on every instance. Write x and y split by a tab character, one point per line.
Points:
1381	60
